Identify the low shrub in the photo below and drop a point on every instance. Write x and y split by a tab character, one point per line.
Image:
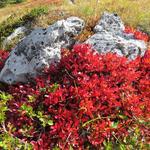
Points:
36	12
88	101
4	3
19	1
137	34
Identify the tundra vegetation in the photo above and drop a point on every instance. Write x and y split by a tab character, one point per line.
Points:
89	100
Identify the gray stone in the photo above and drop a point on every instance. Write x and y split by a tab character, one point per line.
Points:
111	23
39	49
19	31
110	37
71	1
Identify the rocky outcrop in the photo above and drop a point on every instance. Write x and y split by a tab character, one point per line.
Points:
39	49
110	37
42	47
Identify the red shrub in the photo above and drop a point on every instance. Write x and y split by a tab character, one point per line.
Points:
3	55
137	34
96	98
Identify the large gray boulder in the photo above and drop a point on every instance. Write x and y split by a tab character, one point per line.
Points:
40	49
110	37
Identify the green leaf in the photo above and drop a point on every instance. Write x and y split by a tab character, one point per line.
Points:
42	89
53	88
122	147
31	98
122	116
29	110
107	145
50	122
70	148
56	148
114	125
5	97
45	120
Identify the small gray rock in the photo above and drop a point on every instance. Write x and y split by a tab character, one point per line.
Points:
110	23
110	37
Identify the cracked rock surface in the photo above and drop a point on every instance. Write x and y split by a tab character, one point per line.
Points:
39	49
110	37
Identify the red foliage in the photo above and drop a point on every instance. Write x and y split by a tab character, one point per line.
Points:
97	97
137	34
3	56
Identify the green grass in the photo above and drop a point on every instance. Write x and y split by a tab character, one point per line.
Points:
4	3
135	13
8	26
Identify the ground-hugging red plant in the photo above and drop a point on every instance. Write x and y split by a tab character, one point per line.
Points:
3	55
91	98
137	34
